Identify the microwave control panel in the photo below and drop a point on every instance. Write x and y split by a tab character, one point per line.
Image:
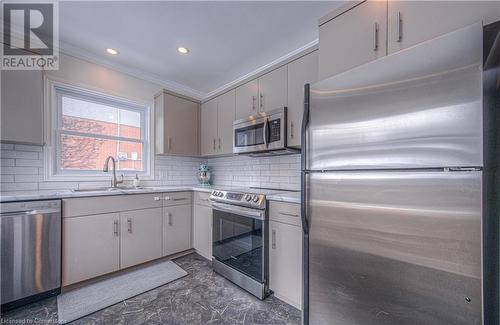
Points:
274	130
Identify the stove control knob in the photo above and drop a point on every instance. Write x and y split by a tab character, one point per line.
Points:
256	198
248	197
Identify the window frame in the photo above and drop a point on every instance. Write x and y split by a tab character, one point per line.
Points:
56	90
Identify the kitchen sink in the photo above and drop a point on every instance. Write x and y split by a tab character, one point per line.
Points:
111	189
100	189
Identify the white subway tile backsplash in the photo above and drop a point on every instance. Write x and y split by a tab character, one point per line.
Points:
22	147
272	172
19	170
20	178
19	154
7	162
22	169
29	163
4	187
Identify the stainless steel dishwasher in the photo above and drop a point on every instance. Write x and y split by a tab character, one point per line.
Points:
30	251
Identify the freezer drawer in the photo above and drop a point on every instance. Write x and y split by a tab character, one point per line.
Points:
417	108
395	248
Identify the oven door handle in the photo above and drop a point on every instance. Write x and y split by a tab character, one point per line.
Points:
245	212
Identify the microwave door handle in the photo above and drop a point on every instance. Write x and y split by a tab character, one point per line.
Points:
266	132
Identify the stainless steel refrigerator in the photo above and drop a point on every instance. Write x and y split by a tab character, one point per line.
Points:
393	190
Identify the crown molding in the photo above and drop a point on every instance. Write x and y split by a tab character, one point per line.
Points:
293	55
170	85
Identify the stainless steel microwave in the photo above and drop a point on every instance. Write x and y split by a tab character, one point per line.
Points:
263	135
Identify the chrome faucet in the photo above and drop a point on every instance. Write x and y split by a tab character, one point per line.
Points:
114	181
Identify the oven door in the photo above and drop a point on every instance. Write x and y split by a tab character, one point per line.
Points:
239	239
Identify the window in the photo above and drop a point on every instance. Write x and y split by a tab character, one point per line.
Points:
91	126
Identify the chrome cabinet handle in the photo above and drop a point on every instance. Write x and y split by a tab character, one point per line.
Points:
220	143
214	145
156	198
291	130
399	23
170	223
115	227
253	103
180	199
289	214
375	36
129	225
261	101
169	143
273	239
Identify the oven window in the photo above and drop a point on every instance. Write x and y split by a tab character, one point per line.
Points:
238	242
249	136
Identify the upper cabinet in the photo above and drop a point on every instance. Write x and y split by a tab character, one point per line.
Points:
247	100
353	38
264	94
412	22
217	116
273	90
177	125
225	118
209	127
300	72
372	29
21	107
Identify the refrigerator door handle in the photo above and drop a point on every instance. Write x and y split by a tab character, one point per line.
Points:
303	208
305	122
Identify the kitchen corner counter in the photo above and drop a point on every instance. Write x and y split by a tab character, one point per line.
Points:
63	194
289	197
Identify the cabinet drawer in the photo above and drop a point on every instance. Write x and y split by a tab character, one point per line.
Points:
108	204
285	212
202	198
176	198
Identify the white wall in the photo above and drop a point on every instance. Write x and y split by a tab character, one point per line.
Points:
100	78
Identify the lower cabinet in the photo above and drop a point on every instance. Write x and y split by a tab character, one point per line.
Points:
91	246
141	236
202	230
285	253
176	229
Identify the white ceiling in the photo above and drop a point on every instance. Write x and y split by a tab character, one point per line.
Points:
227	40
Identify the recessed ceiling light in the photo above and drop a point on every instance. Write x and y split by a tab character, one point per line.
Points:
112	51
182	50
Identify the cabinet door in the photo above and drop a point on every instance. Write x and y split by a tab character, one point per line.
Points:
272	90
353	38
202	224
246	100
21	107
423	20
226	116
141	235
176	229
301	71
180	132
209	127
91	247
285	262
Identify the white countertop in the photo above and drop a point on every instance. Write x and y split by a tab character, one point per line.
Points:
292	197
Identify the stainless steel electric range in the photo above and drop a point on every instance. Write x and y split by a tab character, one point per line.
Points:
240	238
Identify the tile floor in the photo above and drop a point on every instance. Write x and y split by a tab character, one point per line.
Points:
202	297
